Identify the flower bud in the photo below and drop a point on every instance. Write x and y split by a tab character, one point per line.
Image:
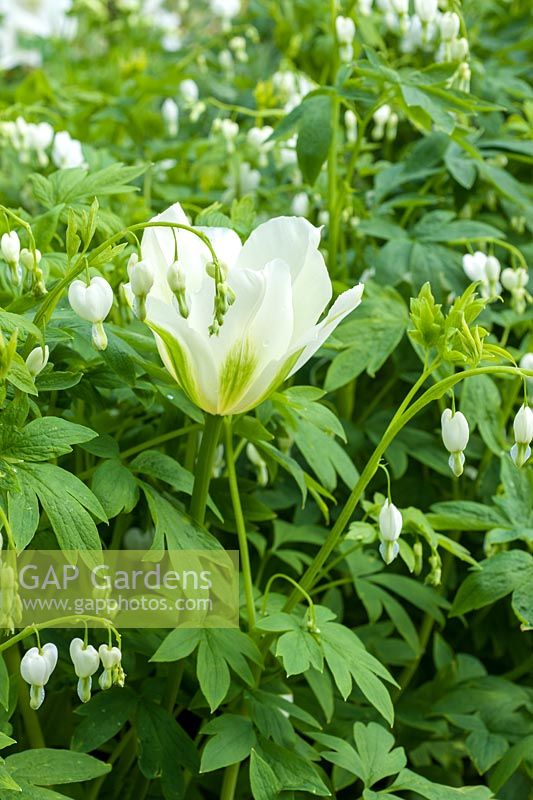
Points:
401	7
37	360
188	89
177	283
390	522
141	278
523	434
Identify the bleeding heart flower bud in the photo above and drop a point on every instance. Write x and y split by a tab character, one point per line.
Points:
37	360
523	434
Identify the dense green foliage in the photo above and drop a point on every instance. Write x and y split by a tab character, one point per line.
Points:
359	679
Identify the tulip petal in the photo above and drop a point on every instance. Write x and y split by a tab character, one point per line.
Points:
295	241
251	339
312	340
186	354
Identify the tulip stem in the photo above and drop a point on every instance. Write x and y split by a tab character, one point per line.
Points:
204	467
240	525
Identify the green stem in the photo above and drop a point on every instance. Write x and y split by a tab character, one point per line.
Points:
204	467
229	783
240	525
400	419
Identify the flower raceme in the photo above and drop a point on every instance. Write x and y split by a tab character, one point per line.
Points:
274	289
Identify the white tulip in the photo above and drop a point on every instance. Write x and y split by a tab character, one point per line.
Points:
86	661
276	288
390	527
426	9
449	25
523	434
37	360
300	204
92	303
345	29
36	666
171	114
66	151
455	435
10	246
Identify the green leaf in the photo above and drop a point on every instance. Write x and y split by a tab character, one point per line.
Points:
162	467
409	781
47	767
263	781
485	749
115	487
212	671
67	502
314	135
165	748
369	337
103	717
4	684
232	740
46	438
481	404
498	576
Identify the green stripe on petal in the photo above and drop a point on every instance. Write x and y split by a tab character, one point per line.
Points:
181	365
236	374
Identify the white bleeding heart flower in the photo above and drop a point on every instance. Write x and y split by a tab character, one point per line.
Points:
67	152
390	527
86	661
426	9
92	303
36	666
171	115
455	435
111	658
345	29
523	435
277	287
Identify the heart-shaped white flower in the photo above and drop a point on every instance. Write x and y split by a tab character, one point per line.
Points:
85	659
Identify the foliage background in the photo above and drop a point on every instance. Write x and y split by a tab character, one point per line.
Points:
438	652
